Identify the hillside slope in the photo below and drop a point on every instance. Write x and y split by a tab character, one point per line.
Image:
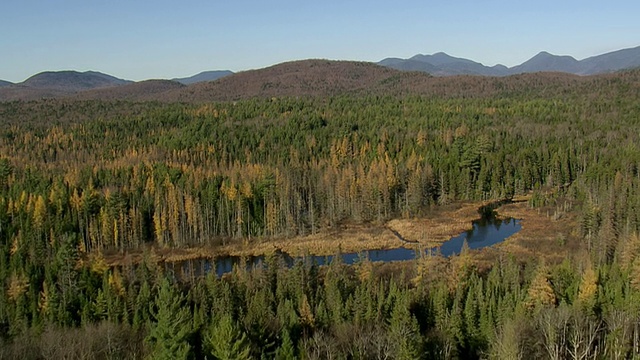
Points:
139	91
330	78
297	78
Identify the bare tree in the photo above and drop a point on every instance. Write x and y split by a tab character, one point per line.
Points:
553	324
618	339
583	334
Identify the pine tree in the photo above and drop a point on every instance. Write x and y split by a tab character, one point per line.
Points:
306	316
67	278
404	331
168	337
225	341
141	315
286	351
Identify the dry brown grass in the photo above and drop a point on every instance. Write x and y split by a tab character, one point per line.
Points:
440	225
543	234
350	238
159	255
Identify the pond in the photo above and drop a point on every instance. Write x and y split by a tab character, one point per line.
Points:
487	231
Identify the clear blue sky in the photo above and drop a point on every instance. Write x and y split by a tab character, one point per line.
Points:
139	39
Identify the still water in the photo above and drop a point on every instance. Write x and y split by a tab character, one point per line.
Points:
485	232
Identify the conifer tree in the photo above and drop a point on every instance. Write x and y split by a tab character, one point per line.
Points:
141	315
169	333
404	331
540	290
225	341
587	294
67	279
286	351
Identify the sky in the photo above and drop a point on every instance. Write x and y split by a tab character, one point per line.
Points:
140	39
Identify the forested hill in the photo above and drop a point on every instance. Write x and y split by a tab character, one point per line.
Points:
307	78
148	90
322	78
297	78
57	84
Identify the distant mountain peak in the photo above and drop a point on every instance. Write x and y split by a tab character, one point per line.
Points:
545	61
443	64
546	54
204	76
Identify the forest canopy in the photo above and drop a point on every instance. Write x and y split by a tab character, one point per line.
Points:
80	179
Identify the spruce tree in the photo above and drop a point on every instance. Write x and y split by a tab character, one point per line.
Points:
286	351
404	331
225	341
168	337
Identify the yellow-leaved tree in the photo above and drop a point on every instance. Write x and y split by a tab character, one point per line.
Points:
540	291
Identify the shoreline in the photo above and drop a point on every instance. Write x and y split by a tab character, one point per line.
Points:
441	224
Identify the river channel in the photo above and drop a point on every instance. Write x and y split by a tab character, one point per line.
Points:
487	231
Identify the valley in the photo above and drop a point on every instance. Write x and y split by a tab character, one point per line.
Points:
113	199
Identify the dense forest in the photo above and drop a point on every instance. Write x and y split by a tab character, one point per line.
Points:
83	178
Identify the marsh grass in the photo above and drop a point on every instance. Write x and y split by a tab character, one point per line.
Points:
541	229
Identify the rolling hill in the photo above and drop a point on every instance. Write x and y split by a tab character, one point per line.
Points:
20	92
72	80
317	78
55	84
296	78
147	90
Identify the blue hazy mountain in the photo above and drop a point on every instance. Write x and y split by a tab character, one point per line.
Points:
204	76
441	64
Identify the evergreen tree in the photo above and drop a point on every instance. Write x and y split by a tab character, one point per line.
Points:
286	351
225	341
404	332
169	333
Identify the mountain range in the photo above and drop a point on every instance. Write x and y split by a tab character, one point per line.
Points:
441	64
324	77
